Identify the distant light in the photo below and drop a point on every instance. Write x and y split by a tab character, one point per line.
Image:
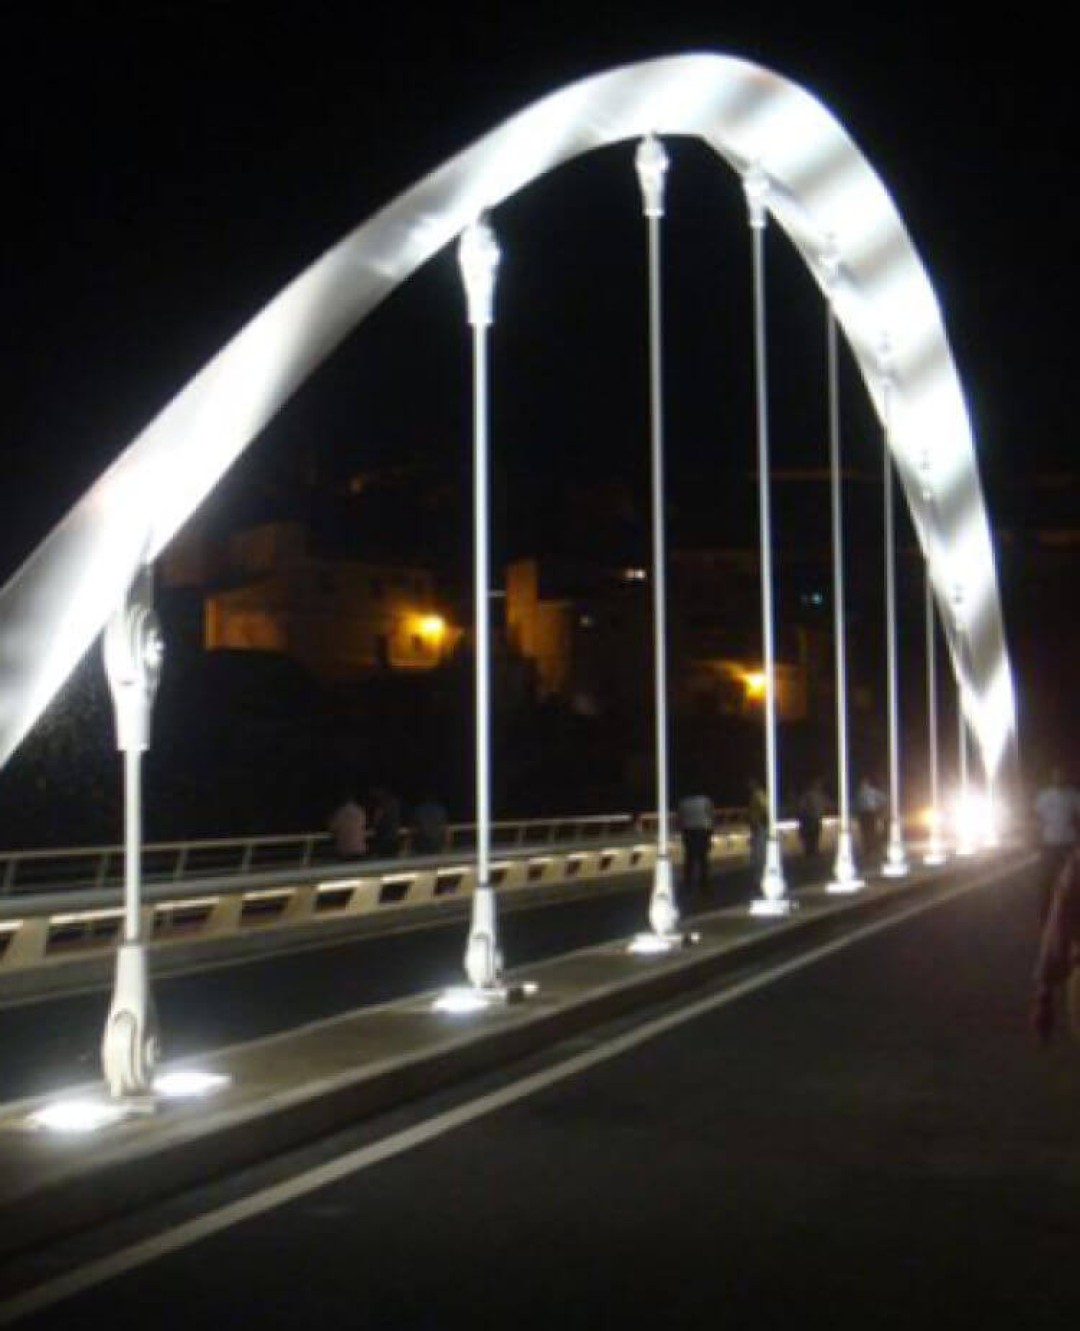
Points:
78	1116
432	628
992	818
969	818
635	575
754	682
189	1083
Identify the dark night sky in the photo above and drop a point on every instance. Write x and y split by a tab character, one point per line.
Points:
168	167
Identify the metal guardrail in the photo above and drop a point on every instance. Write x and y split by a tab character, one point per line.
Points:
42	928
25	872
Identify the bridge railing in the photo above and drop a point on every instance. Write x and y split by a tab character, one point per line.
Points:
26	872
81	921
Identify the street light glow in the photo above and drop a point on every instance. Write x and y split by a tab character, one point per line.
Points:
432	628
77	1116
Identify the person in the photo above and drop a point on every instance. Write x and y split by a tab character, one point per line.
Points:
869	811
757	815
1057	810
348	827
697	817
428	828
385	824
1057	969
813	806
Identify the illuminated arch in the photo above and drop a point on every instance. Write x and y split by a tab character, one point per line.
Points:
821	190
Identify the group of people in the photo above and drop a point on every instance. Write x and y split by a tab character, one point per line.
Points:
373	829
697	822
870	807
697	819
1057	816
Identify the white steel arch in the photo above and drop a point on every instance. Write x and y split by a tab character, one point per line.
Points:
822	192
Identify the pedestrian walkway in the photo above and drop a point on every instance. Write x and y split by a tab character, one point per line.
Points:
287	1089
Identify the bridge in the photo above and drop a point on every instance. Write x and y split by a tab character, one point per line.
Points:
627	941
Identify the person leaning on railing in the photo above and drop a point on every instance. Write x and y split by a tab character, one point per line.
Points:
1058	967
348	827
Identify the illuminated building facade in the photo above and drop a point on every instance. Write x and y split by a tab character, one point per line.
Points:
584	627
341	619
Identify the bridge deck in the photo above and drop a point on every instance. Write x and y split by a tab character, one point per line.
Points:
290	1088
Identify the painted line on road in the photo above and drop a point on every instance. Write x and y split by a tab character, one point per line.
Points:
83	1278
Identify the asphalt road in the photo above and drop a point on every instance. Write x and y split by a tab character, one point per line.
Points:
873	1139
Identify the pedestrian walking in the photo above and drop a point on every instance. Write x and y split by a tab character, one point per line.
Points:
1057	970
870	812
1057	812
697	817
757	816
813	806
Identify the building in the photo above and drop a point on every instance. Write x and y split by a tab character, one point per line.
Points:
587	629
342	619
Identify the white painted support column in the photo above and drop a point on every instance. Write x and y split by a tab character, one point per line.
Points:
133	652
774	899
845	878
478	256
896	865
651	163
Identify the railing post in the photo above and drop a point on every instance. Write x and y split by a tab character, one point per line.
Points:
180	867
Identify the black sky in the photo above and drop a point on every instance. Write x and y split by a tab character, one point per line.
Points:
168	167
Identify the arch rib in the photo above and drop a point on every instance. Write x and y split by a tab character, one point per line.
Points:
823	194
